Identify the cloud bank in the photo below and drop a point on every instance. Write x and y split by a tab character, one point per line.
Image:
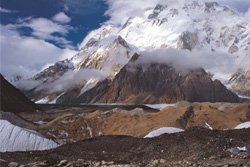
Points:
74	79
26	56
221	64
43	28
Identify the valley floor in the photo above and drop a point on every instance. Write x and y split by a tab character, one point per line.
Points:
114	135
194	147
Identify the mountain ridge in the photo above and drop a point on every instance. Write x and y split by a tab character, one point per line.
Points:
188	25
139	83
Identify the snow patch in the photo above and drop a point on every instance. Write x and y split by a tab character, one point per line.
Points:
159	106
236	150
243	125
208	126
44	100
163	130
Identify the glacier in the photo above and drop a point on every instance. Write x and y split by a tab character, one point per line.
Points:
14	138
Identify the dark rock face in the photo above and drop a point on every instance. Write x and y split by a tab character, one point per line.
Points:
155	83
157	10
12	100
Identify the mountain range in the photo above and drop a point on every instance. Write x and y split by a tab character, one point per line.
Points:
210	42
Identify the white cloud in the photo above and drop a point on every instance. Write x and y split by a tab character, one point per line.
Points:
2	10
221	64
27	55
61	17
44	29
67	54
73	79
46	26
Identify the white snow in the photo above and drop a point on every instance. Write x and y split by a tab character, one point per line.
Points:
208	126
159	106
41	122
44	100
14	138
243	125
163	130
236	150
89	85
54	100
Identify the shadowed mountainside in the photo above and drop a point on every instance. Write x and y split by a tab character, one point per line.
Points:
13	100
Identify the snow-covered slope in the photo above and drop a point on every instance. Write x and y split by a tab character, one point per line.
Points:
14	138
107	54
240	83
195	26
163	130
190	25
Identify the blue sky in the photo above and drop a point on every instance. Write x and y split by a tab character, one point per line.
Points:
85	15
37	33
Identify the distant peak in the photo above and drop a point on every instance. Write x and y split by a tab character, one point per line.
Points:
157	10
160	7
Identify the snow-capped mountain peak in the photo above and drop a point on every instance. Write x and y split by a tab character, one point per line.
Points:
162	25
107	55
190	25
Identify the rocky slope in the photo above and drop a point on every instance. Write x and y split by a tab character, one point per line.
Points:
194	147
240	83
13	100
139	83
201	147
74	126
